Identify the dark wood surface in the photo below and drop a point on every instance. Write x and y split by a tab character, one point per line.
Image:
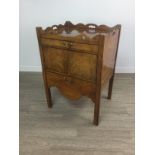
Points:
79	60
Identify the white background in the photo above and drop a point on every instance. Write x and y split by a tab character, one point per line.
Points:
48	12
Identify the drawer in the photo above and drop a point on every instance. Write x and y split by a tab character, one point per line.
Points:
53	43
90	48
64	84
54	79
70	87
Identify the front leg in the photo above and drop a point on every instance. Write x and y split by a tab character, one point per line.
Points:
47	91
97	109
110	87
48	97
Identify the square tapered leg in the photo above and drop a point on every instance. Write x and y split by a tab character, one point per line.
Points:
110	87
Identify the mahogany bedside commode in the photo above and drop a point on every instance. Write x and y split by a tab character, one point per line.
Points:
79	60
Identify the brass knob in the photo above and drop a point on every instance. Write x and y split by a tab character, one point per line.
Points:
68	44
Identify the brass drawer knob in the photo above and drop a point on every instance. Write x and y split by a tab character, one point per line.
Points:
67	44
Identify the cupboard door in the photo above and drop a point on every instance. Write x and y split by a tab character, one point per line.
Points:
54	59
82	66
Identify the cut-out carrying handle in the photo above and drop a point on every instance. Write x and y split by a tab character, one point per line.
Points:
91	28
54	27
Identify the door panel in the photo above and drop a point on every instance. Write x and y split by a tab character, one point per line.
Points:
54	59
82	65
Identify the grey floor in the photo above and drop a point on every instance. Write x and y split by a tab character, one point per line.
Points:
67	128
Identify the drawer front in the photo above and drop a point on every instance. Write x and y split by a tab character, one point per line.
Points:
54	79
53	43
93	49
70	87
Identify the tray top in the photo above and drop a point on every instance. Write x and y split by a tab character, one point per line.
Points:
88	31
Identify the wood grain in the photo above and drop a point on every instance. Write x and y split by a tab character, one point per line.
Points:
55	59
92	61
82	65
93	49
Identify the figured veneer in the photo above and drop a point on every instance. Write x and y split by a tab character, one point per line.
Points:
79	60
